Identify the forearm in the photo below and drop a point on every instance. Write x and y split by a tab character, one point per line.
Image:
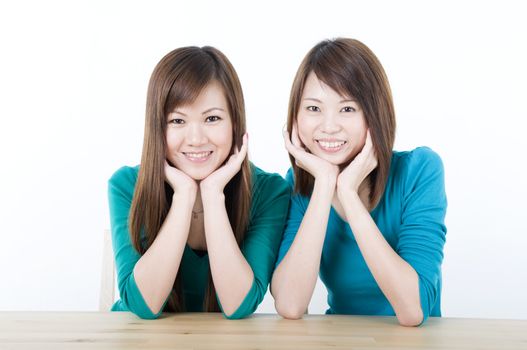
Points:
156	271
295	277
232	275
395	277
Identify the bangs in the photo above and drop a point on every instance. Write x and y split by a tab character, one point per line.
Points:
192	76
334	67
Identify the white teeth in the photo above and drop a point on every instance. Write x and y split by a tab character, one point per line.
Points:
200	155
331	144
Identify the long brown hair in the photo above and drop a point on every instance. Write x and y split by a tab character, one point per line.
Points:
177	80
352	69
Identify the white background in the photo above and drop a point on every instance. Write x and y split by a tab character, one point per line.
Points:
73	78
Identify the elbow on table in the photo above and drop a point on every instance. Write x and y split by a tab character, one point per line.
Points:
147	315
289	311
147	312
411	318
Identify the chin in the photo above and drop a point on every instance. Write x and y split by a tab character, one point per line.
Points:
198	175
338	161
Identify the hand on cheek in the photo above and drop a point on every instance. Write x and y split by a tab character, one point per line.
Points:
356	172
216	182
317	167
180	182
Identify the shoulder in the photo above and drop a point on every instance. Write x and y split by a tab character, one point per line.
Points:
418	173
290	177
124	179
266	181
269	190
412	163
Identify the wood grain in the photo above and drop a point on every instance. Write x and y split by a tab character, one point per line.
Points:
122	330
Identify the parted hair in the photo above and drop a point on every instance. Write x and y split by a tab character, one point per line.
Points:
352	69
177	80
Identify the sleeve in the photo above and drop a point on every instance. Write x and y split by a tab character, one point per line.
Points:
422	234
260	246
120	194
297	209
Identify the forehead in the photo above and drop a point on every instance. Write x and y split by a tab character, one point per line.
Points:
316	88
212	96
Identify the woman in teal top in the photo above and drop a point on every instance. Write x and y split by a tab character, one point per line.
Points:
369	219
195	227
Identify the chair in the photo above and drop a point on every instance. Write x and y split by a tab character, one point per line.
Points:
107	293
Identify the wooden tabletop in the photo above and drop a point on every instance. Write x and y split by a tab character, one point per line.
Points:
122	330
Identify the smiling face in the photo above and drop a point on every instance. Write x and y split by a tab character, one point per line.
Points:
331	126
199	135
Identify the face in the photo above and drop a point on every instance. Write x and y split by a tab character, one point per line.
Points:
331	126
199	135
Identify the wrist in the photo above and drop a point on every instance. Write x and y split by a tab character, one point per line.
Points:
324	186
350	201
182	204
346	192
211	194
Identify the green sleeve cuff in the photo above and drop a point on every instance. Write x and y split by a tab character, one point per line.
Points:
136	303
248	305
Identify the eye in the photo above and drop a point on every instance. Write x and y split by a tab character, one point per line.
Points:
176	121
313	108
212	118
348	109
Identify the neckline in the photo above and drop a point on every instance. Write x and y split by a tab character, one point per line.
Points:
194	252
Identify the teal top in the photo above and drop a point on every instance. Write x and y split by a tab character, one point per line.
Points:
269	206
410	216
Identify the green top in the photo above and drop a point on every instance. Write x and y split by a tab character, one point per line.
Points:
269	206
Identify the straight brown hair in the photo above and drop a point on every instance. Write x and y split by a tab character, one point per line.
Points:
352	69
177	80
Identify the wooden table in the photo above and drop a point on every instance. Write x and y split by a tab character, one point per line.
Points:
122	330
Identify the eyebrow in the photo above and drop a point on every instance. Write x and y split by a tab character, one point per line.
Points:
317	100
212	109
313	99
204	112
178	112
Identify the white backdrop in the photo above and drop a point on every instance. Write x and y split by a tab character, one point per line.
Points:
73	78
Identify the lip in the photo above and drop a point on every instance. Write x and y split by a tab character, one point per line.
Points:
197	157
331	145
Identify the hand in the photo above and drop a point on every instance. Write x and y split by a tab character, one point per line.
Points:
316	166
354	174
217	181
180	182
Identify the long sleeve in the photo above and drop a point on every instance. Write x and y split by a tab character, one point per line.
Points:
297	210
422	232
270	201
120	193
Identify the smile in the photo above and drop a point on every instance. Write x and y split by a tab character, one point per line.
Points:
330	146
197	157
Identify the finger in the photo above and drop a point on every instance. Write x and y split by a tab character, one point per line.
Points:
292	149
239	155
168	167
245	145
369	141
295	138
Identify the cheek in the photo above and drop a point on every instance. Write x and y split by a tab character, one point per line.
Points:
305	131
172	141
224	139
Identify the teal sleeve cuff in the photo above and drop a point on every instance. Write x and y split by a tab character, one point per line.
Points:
424	297
248	305
134	301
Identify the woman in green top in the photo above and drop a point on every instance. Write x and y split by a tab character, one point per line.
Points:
195	227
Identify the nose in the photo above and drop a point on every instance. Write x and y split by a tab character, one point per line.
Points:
196	135
330	124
